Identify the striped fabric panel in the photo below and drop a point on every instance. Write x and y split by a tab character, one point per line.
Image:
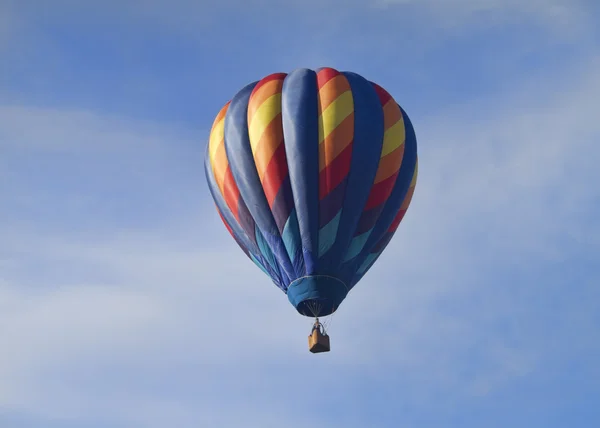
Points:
231	232
386	238
216	149
244	128
265	129
246	242
392	153
406	201
223	176
336	131
394	204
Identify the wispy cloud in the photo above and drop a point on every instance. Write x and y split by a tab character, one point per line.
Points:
24	128
124	302
460	302
555	12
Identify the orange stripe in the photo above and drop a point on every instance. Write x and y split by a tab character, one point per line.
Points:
408	198
390	164
222	113
336	142
411	189
391	114
220	165
259	96
270	140
406	202
332	90
267	79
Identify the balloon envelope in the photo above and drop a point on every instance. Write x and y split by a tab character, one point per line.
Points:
312	172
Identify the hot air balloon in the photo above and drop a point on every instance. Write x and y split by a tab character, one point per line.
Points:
311	173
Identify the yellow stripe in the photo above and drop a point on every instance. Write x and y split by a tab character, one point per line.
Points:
262	93
411	190
220	167
393	138
216	138
270	141
336	142
334	114
331	90
261	119
413	183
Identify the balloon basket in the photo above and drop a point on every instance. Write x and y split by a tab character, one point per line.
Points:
318	340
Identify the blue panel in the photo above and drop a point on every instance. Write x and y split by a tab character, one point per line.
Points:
367	263
290	233
364	268
317	295
241	162
239	235
356	245
328	233
265	250
292	241
260	266
301	135
393	204
366	152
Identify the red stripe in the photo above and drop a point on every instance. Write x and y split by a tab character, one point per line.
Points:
325	75
275	174
267	79
335	172
401	215
382	243
403	210
383	95
381	191
225	222
396	221
230	230
231	193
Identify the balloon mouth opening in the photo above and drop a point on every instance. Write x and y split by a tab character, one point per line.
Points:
316	307
317	295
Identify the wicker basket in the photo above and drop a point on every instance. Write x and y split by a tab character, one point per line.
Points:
318	341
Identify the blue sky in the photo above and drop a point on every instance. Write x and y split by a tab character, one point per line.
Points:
125	303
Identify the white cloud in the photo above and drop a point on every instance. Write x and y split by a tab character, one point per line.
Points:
179	315
54	130
555	12
196	18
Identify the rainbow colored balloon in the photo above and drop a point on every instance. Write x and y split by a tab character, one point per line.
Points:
312	172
